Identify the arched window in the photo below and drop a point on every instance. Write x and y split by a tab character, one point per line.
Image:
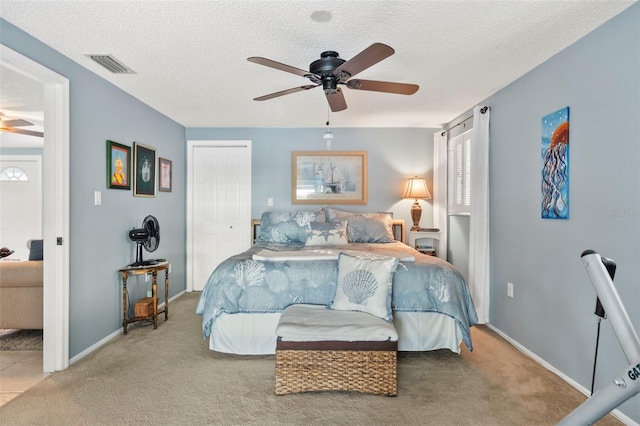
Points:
13	174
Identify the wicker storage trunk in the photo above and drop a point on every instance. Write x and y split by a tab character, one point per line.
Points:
369	367
143	307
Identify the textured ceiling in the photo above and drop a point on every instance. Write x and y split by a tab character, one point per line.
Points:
190	56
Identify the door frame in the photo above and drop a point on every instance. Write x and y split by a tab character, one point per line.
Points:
191	144
55	201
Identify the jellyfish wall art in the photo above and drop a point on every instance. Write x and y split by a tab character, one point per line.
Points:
555	165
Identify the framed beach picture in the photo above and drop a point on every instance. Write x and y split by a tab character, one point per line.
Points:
329	177
144	170
118	165
164	174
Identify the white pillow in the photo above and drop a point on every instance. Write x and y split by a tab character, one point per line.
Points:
364	284
323	233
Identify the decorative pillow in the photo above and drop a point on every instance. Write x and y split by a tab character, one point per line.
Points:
287	227
35	250
365	227
325	233
364	284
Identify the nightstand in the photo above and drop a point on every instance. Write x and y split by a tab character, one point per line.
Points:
427	242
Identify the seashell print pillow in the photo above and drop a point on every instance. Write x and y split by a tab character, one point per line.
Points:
325	233
365	227
287	227
364	284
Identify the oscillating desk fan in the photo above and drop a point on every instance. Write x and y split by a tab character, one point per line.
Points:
147	236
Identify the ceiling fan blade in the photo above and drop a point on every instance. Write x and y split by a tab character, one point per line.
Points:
15	122
363	60
383	86
285	92
336	100
21	131
277	65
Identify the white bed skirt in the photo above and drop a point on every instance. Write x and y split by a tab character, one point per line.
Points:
255	334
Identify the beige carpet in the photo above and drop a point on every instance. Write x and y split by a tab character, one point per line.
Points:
168	376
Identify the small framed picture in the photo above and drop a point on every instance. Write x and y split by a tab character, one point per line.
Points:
164	175
144	170
118	165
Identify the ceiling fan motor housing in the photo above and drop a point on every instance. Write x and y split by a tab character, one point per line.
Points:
324	68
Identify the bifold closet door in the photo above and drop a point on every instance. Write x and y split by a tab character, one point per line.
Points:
221	206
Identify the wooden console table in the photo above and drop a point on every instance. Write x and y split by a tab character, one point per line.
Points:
139	270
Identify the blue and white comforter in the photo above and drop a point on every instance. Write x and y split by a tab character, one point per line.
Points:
241	284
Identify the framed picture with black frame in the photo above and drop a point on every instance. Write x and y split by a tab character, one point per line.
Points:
144	170
118	165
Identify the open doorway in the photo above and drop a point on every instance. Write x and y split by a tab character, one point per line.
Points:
55	201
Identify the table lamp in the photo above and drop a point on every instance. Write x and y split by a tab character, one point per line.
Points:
416	188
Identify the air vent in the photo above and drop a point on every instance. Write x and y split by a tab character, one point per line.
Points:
112	64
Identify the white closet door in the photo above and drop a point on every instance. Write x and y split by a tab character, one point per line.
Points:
220	211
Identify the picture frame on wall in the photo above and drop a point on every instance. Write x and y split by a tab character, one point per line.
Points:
144	170
118	165
555	165
164	174
329	177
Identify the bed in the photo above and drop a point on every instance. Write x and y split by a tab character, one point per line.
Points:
295	260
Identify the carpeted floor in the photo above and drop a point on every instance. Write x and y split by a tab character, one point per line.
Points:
168	376
20	340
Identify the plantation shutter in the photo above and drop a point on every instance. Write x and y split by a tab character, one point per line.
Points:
459	184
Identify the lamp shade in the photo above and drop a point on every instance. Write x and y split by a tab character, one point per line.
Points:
416	188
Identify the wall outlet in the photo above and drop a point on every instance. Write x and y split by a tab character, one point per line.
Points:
510	289
270	202
148	293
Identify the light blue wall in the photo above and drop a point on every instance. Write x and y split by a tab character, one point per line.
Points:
551	313
394	155
98	244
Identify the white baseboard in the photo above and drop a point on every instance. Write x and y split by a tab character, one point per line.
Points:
111	336
616	413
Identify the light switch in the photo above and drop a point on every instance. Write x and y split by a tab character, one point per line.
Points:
270	202
97	195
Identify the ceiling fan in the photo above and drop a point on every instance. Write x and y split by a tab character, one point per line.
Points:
330	70
13	126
